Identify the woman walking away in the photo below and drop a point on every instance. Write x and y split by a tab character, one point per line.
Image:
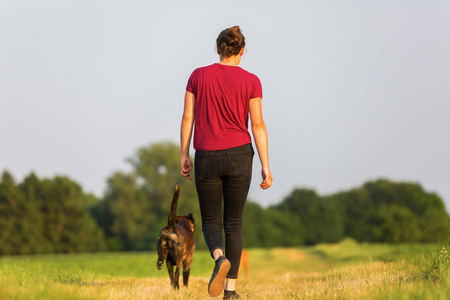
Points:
220	97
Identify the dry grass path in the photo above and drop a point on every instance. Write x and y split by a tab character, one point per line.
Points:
342	271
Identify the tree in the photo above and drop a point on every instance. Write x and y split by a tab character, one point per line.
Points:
46	216
386	211
394	224
125	213
357	206
427	209
270	227
322	218
66	224
20	221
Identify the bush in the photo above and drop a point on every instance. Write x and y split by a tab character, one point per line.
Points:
437	265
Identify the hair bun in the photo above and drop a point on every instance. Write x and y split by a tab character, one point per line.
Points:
230	41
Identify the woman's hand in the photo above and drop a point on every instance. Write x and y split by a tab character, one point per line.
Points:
267	178
186	167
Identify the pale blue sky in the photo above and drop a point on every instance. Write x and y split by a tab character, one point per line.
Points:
353	90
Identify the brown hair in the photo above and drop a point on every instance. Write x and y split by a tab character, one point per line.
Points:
230	41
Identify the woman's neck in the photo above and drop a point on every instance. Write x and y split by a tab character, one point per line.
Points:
231	60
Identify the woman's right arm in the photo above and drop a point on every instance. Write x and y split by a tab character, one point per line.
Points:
187	124
260	134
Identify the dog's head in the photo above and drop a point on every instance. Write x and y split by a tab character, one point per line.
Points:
187	221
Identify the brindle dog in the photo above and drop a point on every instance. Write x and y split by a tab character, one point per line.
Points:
176	243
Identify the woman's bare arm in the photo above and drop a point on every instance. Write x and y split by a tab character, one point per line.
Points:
261	140
187	124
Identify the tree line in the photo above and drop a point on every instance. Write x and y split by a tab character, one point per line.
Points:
56	216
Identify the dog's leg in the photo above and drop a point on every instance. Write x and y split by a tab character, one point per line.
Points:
177	277
171	275
187	266
160	262
186	272
162	252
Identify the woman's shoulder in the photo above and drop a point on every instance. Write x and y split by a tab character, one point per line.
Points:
251	75
202	70
208	67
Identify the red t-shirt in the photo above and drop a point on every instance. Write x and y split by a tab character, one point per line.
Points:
222	95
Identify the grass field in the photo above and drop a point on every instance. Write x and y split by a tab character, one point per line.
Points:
346	270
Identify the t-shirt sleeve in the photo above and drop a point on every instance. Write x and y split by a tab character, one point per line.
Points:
191	85
257	88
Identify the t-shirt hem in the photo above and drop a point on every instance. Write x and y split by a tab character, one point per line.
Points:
222	148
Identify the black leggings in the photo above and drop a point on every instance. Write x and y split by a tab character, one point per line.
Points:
224	173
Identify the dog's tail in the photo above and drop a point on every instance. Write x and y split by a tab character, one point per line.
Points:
173	208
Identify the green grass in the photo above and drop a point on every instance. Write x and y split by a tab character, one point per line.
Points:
346	270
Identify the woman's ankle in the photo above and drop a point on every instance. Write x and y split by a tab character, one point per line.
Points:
217	253
230	284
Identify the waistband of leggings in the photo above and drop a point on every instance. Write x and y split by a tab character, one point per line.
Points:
243	148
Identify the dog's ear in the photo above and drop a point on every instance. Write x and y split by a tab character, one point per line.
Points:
191	217
193	222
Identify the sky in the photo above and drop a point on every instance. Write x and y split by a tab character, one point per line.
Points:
353	90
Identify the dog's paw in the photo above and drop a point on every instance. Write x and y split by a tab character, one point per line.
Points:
159	264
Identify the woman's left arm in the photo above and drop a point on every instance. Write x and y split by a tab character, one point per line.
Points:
187	124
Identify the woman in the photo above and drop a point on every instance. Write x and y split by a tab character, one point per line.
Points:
220	97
